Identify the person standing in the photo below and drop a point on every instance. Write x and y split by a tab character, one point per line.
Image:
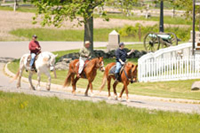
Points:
121	55
85	54
35	49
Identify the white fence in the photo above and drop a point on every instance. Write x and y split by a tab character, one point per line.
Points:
173	63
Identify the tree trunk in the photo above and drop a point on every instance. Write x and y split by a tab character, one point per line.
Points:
88	30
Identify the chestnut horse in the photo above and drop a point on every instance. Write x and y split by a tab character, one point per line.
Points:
89	72
128	74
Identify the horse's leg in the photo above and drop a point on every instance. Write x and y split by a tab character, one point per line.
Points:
114	89
38	78
120	95
30	80
108	81
20	76
126	89
86	92
91	88
74	81
48	86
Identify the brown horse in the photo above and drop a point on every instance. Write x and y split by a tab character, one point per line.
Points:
128	74
89	72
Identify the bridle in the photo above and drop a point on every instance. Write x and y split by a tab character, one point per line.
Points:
98	66
51	62
132	75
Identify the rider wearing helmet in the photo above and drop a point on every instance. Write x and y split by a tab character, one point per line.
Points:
35	49
121	55
85	54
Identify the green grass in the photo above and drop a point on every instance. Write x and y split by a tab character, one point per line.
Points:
20	9
99	34
66	35
22	113
61	35
167	19
172	89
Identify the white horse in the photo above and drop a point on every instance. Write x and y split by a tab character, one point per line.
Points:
44	62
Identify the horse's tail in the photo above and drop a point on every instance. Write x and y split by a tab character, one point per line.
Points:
103	82
16	76
68	79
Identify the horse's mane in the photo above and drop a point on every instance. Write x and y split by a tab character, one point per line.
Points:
92	60
92	63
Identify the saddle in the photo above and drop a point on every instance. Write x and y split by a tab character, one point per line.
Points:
112	70
29	60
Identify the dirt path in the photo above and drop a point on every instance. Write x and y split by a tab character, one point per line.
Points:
10	20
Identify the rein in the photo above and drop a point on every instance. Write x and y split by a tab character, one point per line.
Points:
130	79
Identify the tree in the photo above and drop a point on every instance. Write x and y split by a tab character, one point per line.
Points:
187	5
54	12
124	5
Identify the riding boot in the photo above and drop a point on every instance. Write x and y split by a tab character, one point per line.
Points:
32	68
116	76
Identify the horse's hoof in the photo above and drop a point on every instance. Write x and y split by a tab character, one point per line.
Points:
73	93
116	98
33	88
92	94
18	87
38	88
48	87
120	99
109	98
128	100
86	94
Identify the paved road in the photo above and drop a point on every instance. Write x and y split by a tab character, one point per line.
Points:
136	101
17	49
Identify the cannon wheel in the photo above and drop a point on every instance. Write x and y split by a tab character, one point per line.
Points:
151	42
173	41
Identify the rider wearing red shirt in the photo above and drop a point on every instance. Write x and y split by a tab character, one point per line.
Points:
34	48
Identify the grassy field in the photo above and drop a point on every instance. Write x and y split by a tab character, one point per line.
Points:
127	33
20	9
167	19
22	113
173	89
66	35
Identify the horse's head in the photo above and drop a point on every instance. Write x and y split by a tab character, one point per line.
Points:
100	64
132	70
52	62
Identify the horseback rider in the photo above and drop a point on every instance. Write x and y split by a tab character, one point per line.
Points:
121	55
35	49
85	54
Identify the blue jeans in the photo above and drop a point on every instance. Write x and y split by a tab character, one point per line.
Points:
32	59
118	67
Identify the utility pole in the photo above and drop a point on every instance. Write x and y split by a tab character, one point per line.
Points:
161	29
193	30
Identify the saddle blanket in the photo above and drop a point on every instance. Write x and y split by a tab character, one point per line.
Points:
112	70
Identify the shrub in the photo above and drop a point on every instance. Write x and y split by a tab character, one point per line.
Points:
138	31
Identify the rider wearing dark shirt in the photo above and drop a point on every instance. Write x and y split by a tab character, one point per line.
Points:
121	55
